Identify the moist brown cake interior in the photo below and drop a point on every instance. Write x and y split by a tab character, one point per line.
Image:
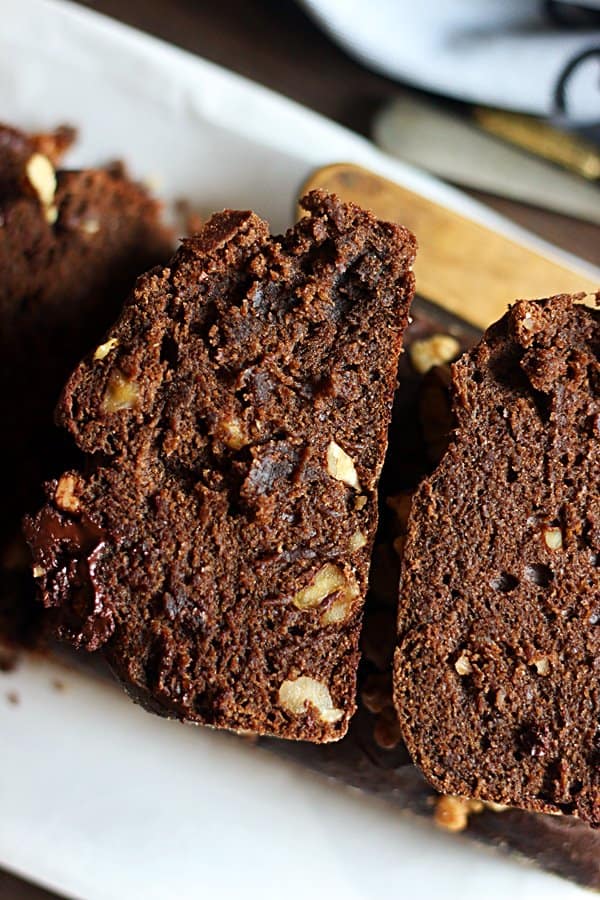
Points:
497	665
235	424
65	265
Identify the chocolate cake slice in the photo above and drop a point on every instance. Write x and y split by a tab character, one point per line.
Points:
71	245
498	654
216	546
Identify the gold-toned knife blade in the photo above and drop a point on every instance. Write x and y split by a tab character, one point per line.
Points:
465	267
541	138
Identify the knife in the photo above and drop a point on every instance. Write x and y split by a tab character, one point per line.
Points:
463	266
476	154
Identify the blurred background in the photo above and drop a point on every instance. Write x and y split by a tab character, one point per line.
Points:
443	83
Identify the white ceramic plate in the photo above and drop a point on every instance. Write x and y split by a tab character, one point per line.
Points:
97	798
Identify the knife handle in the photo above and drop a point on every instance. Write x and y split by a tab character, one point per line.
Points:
463	266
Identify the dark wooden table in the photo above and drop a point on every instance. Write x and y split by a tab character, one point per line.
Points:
273	42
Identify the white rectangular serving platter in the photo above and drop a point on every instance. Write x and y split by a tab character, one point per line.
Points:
98	799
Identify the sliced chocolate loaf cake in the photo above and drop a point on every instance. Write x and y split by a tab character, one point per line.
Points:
497	664
216	546
71	246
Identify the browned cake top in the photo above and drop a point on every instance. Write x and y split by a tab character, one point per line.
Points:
236	419
499	649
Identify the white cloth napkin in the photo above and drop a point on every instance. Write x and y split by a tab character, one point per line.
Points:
503	53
